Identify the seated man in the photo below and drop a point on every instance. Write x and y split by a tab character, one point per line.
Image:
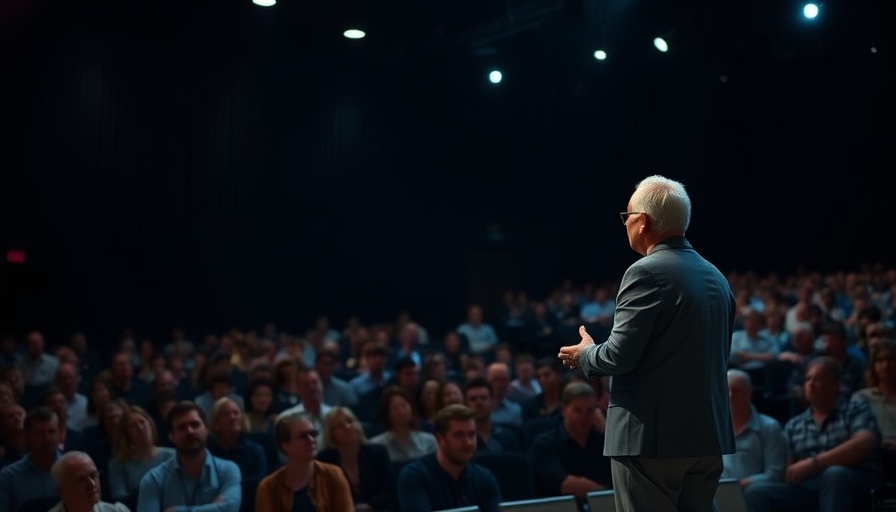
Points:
194	479
503	410
448	479
489	436
761	446
569	459
29	477
77	483
834	460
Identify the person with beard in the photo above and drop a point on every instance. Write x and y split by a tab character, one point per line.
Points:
448	478
194	480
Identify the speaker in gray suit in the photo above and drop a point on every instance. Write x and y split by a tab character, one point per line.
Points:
668	422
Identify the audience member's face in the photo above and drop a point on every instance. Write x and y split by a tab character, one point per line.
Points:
164	384
820	386
578	415
499	379
459	442
43	437
219	390
833	344
56	402
474	315
480	400
122	370
139	429
407	377
12	418
308	387
407	336
34	345
111	416
451	395
80	483
885	366
99	394
738	394
400	411
451	343
376	362
325	366
345	433
261	399
428	395
67	380
302	443
525	371
230	419
548	379
189	433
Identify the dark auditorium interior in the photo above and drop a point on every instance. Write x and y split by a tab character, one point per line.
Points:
207	184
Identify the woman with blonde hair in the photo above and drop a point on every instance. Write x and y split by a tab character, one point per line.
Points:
135	451
367	466
227	426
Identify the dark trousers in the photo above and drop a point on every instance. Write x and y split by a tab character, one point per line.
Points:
643	484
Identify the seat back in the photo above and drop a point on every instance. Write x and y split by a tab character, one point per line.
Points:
730	497
552	504
602	501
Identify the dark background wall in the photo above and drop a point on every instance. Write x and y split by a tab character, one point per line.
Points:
211	163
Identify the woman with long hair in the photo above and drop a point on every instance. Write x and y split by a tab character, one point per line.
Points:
260	406
367	466
402	438
227	425
98	394
135	450
880	395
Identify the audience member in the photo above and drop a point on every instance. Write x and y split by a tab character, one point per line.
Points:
12	433
260	406
227	425
489	436
38	368
70	439
193	479
449	392
219	386
504	411
750	348
77	483
525	385
480	335
366	465
29	477
569	459
406	375
337	392
427	403
287	394
68	381
448	478
761	448
135	451
124	385
455	349
303	484
833	445
374	374
880	395
549	372
312	395
402	437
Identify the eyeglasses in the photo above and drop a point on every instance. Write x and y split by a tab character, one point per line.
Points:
624	215
308	434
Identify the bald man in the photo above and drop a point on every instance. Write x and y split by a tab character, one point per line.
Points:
77	483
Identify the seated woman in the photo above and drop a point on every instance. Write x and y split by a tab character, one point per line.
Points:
135	451
98	395
880	395
427	403
260	406
403	439
303	484
226	426
449	392
365	465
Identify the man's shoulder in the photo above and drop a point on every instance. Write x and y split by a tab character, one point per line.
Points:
162	469
419	468
14	468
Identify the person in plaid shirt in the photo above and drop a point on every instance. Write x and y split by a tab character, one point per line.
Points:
834	458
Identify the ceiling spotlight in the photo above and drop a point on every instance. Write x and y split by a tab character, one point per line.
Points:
354	33
810	11
495	76
660	44
600	55
264	3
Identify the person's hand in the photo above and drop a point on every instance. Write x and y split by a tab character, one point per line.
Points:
800	470
600	420
569	356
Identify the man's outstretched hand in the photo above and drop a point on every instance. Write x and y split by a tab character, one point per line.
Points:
569	356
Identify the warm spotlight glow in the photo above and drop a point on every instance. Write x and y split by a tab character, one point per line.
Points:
810	11
600	55
264	3
354	33
495	76
661	44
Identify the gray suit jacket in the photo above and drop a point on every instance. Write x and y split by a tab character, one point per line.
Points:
668	357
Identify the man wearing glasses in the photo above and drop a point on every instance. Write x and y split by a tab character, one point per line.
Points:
303	483
194	480
669	421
